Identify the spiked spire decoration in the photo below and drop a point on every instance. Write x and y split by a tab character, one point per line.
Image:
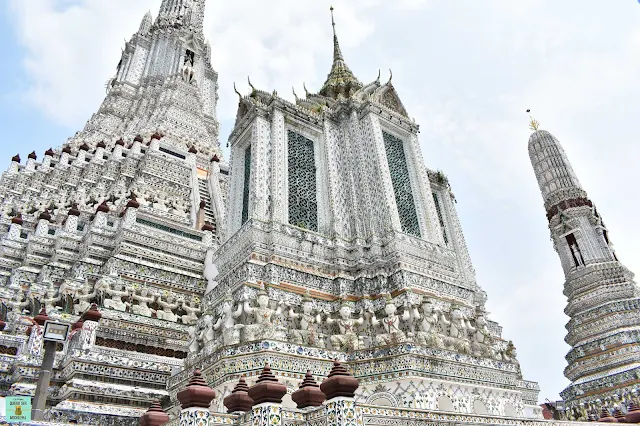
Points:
534	124
340	81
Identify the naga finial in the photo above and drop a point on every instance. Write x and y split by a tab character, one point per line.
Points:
533	123
253	89
306	92
390	76
378	79
294	93
236	90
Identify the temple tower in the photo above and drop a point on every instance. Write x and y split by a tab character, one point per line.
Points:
603	300
342	244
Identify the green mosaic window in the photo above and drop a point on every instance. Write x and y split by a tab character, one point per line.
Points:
303	204
168	229
401	184
436	200
247	181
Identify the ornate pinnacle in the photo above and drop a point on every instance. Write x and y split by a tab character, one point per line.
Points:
534	124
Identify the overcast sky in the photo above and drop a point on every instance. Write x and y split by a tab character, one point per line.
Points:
466	70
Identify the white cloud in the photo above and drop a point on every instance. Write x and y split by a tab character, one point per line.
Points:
465	70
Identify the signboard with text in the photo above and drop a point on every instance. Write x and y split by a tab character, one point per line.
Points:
18	409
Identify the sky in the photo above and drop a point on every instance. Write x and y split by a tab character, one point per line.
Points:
466	70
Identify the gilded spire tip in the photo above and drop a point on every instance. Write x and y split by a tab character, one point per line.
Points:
534	124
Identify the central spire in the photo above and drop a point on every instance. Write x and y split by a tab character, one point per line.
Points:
340	82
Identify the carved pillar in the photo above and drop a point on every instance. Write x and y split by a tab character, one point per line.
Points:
267	396
15	164
71	223
42	228
340	388
46	161
195	400
101	215
31	162
15	229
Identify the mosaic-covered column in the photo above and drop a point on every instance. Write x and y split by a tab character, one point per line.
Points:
267	396
340	388
195	400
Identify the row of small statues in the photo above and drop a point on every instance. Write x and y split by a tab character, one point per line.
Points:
110	295
425	325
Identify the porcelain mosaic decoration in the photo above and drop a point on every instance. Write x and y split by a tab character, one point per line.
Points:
324	237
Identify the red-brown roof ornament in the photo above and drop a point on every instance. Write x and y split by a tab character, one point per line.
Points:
340	383
41	317
138	138
16	158
103	207
193	150
309	393
73	211
606	417
155	416
208	227
156	135
239	399
633	415
45	215
32	156
101	144
267	388
619	415
66	150
49	153
17	219
120	142
2	325
133	203
197	393
215	158
77	325
84	147
92	314
202	204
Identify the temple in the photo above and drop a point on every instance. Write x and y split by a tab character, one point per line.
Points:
603	298
324	249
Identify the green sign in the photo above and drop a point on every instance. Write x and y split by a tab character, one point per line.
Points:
18	409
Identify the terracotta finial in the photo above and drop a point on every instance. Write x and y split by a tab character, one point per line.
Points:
193	150
239	399
606	417
340	383
17	219
92	314
101	144
84	147
197	393
32	156
633	415
138	138
120	142
45	215
73	211
156	135
16	158
66	150
208	227
155	416
309	393
41	317
103	207
49	153
267	388
215	158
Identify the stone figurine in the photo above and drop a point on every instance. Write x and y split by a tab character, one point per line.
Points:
305	333
393	334
227	322
428	334
262	327
347	338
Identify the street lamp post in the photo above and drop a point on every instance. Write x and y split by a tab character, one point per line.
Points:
54	333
